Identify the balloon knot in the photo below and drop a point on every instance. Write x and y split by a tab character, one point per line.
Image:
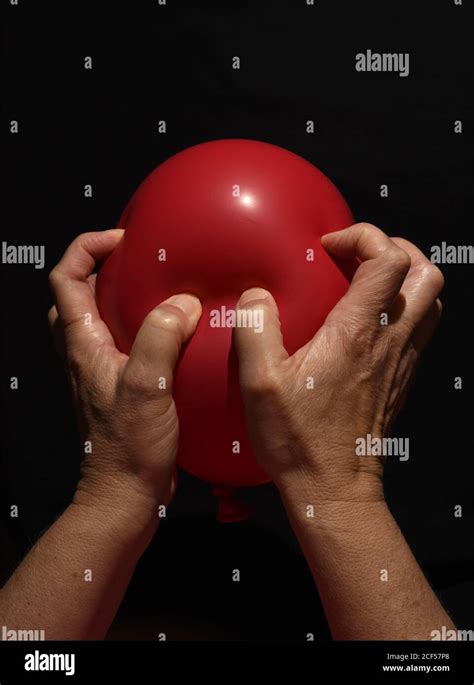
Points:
229	507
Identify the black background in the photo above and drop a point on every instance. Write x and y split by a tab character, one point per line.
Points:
100	126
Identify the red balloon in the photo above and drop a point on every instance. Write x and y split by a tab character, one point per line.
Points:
214	220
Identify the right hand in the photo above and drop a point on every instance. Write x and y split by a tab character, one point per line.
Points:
125	410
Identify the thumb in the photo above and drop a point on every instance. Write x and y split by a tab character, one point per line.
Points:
158	343
259	345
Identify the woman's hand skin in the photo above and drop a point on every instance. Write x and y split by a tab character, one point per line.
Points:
72	582
126	415
305	439
360	367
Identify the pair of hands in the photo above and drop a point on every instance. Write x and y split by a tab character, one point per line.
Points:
361	370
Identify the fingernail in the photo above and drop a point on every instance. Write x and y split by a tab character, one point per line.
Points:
254	294
189	304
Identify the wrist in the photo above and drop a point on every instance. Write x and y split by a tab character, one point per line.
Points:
112	533
335	501
122	504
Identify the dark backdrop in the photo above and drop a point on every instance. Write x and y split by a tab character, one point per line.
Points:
173	63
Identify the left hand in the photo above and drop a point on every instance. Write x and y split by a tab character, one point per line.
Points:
360	367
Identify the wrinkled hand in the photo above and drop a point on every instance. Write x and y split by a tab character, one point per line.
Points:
126	416
360	367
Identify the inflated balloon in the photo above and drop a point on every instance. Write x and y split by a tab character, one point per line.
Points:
214	220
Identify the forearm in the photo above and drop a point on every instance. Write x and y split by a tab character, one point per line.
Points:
72	582
371	586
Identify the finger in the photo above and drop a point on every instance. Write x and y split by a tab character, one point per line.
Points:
57	331
422	284
52	316
259	345
427	326
384	266
149	369
72	292
92	280
421	337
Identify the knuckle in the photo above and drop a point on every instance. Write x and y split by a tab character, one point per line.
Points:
55	277
166	317
82	240
365	227
435	276
399	259
264	384
401	242
138	382
365	232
